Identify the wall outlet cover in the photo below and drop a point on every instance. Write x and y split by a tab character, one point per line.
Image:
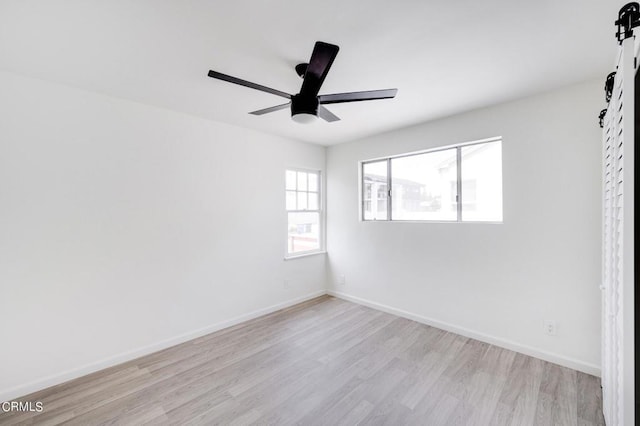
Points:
550	327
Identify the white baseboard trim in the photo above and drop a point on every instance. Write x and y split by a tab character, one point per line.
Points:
562	360
55	379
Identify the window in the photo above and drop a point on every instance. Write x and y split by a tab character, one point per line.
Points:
303	212
457	184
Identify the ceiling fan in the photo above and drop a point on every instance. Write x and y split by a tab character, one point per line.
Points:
307	105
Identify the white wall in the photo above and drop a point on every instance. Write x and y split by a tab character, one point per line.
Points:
493	282
125	228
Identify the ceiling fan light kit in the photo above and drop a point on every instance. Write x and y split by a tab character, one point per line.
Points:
307	105
304	109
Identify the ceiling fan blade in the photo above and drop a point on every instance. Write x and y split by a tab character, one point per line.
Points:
230	79
319	65
270	109
327	115
369	95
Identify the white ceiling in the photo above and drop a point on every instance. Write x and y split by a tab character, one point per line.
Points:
444	56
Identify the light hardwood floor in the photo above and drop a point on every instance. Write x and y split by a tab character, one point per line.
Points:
326	362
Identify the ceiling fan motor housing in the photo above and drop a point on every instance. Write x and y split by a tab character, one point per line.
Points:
303	107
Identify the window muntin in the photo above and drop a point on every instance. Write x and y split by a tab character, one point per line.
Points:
302	202
458	183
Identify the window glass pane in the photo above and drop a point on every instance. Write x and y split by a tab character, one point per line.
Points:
482	182
313	182
302	200
423	187
303	232
291	180
313	201
374	190
291	200
302	181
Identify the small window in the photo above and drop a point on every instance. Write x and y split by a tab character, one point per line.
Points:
302	202
457	184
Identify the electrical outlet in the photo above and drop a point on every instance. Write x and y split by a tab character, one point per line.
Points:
550	327
341	280
285	284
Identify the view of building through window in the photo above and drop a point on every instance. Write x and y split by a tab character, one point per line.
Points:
461	183
375	190
421	186
303	211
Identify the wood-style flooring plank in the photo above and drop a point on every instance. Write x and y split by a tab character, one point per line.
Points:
325	362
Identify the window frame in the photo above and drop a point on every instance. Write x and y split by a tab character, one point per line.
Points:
458	147
319	211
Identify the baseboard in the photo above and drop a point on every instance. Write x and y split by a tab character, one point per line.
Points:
55	379
497	341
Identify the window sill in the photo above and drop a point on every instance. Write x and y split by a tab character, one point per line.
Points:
298	256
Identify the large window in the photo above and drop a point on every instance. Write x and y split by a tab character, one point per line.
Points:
303	212
461	183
